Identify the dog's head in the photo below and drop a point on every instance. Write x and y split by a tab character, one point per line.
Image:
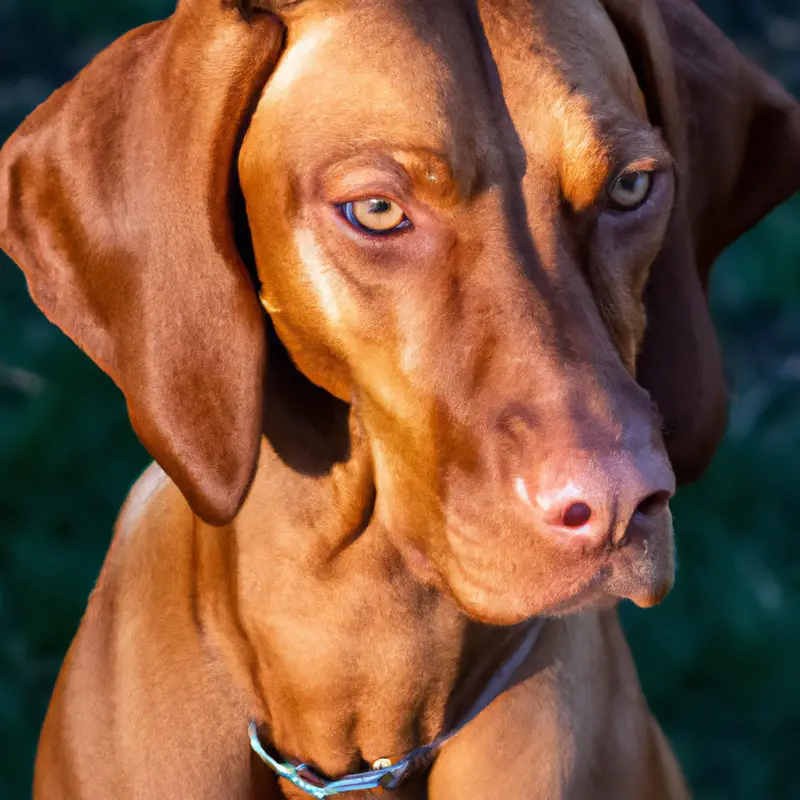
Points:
485	226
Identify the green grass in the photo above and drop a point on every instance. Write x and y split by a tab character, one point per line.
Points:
719	660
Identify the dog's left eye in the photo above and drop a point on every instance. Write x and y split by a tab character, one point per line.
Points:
630	189
377	215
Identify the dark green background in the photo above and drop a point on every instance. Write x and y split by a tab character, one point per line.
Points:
720	660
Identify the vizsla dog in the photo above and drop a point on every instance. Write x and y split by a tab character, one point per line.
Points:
407	302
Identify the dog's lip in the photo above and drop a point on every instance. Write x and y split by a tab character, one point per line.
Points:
602	590
487	602
510	608
599	580
501	591
650	599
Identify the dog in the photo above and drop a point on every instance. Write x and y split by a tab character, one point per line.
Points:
407	302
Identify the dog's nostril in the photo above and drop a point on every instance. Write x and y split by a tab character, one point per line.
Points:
653	504
576	515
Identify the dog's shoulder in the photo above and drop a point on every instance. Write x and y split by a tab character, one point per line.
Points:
153	529
152	490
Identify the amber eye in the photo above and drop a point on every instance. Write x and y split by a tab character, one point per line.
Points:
630	189
375	215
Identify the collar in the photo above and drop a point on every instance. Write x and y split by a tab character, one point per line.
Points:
384	774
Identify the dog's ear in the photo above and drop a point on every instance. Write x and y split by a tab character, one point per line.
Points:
735	136
116	200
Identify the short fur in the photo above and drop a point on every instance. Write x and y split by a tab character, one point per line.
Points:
372	562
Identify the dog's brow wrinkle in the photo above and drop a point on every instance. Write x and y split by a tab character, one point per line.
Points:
434	177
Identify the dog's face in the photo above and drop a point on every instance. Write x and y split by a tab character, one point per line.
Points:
485	225
453	230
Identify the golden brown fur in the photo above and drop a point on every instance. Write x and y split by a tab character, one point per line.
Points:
373	447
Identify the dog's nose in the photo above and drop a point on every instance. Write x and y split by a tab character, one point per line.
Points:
600	500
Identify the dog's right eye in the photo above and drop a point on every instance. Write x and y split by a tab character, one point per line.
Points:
375	215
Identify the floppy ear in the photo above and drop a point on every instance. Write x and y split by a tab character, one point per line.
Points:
735	136
115	200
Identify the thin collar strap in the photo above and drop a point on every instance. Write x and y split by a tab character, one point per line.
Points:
387	775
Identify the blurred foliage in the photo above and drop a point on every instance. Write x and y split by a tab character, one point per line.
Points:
720	660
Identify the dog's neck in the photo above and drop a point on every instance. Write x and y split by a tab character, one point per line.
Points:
345	654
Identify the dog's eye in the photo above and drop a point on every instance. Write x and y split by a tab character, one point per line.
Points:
375	215
630	189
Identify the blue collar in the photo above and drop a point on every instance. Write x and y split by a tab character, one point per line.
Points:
384	774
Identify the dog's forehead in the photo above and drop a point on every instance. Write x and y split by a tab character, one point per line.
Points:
380	70
568	85
440	74
575	39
